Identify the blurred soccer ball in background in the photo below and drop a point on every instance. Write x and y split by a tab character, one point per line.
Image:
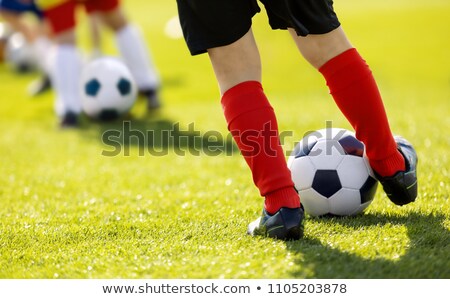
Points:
19	54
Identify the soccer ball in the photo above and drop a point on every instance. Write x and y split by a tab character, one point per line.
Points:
19	54
107	89
332	174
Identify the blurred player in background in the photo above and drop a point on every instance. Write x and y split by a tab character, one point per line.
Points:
67	64
96	38
13	11
223	30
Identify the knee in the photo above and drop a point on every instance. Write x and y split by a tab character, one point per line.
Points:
320	48
66	37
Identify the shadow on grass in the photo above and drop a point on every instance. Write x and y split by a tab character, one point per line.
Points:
155	136
427	256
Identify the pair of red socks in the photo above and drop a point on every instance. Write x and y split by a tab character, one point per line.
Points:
253	124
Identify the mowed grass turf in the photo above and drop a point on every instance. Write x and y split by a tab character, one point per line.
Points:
69	211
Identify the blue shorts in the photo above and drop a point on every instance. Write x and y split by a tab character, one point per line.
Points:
18	7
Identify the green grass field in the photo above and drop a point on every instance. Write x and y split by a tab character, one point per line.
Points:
67	211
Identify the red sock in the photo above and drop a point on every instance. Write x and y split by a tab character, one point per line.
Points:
356	93
252	122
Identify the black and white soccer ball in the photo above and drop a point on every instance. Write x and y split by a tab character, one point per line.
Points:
332	174
108	89
19	54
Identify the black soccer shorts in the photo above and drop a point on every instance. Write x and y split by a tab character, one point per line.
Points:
213	23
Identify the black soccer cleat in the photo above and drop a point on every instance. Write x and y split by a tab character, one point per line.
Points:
401	188
286	224
69	120
152	96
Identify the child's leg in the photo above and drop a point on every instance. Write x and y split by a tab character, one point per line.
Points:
252	121
66	62
130	44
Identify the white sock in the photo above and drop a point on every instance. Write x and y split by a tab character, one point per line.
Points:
41	48
137	57
66	76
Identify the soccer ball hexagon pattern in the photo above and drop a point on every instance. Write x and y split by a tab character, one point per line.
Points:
107	89
332	174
